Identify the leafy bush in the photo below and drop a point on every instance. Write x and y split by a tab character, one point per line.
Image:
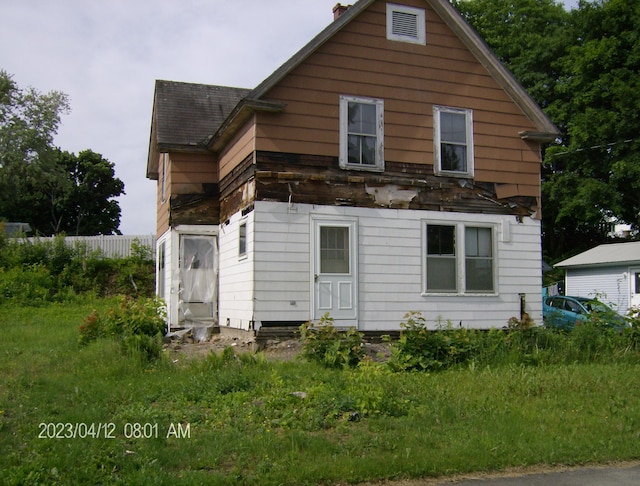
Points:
421	349
26	284
50	270
138	324
331	347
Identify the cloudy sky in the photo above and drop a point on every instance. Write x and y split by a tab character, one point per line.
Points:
106	55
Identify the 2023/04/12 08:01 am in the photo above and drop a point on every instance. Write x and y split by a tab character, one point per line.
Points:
109	430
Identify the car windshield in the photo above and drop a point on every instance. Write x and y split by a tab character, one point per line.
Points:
595	306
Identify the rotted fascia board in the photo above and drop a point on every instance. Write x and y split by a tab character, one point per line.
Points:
540	137
545	128
238	117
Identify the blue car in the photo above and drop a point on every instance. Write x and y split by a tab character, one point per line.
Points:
564	312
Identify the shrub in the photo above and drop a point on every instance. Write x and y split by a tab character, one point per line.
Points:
38	270
421	349
329	346
138	324
26	284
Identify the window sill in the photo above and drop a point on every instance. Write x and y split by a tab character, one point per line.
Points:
459	294
451	173
362	168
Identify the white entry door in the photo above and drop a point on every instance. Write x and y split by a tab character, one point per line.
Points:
335	278
634	300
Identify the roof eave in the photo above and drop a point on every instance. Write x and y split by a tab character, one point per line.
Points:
237	118
329	31
540	137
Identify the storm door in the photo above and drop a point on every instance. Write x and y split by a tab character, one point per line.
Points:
198	277
335	271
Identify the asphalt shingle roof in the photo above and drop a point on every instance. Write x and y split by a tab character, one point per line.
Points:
613	253
188	113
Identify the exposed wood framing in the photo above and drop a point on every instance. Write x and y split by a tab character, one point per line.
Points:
201	208
319	180
312	179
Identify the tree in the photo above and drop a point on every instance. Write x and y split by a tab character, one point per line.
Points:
54	191
28	122
594	179
88	207
583	68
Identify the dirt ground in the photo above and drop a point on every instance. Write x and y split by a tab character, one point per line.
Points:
273	349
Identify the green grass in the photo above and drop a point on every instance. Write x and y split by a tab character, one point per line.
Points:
247	427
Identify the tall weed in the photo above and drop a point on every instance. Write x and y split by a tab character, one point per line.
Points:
138	324
32	272
329	346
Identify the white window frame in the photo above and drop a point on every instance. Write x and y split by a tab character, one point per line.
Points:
419	13
437	141
243	240
163	181
461	258
344	133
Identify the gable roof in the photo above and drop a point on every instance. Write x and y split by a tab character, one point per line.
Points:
180	126
545	131
186	114
608	254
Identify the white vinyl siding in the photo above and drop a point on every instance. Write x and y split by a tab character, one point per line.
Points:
235	301
391	260
610	285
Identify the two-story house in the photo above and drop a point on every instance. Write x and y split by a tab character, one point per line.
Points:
392	164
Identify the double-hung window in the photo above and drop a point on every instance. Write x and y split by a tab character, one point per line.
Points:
459	259
453	141
361	133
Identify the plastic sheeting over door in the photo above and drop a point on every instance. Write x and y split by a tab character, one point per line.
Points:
198	277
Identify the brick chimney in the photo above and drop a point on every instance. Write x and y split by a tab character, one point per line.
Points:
338	10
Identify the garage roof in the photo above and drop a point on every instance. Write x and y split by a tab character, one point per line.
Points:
614	253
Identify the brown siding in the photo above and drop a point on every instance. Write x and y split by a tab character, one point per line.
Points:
238	149
190	171
411	79
162	207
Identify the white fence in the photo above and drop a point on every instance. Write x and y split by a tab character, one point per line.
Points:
111	246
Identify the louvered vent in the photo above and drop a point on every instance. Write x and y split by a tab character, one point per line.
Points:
404	24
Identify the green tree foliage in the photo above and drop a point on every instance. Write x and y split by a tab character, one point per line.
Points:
88	207
28	167
52	190
582	67
595	177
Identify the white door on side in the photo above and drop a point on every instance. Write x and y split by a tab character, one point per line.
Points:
335	271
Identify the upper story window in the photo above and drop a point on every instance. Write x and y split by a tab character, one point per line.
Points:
453	141
406	24
361	133
163	181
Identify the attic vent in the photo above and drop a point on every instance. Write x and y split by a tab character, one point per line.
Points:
403	23
406	24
